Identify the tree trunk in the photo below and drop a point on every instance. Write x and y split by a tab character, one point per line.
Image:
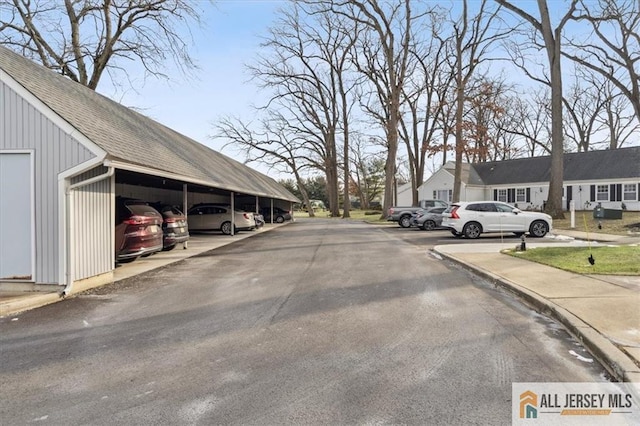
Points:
457	175
552	43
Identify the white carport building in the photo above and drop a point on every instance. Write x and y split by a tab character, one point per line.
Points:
67	151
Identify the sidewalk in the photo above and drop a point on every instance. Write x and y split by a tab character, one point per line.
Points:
602	311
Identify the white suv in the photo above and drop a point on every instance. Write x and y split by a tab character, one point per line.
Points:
470	219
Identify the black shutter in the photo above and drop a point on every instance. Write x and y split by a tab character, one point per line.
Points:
511	195
495	195
593	193
528	195
619	192
612	192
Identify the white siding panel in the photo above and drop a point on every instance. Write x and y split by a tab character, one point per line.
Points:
91	226
22	127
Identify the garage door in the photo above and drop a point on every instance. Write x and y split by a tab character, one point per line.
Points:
16	216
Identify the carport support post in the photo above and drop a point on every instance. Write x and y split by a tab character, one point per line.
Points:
185	203
272	211
257	205
233	213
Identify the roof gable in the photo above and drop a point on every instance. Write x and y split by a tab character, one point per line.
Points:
130	137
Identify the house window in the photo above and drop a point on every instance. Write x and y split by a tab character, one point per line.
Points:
443	194
521	195
602	193
502	195
630	192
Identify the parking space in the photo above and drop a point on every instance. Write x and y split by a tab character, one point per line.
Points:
198	243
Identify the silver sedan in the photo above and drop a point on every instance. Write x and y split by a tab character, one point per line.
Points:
428	219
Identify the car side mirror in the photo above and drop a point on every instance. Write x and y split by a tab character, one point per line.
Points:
515	211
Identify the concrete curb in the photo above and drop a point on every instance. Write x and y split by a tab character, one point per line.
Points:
616	362
26	303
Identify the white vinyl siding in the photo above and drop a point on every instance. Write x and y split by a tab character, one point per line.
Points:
92	226
23	127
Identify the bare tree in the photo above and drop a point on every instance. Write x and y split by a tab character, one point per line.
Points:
305	66
617	118
382	56
614	49
552	39
474	40
507	144
270	142
367	173
583	104
424	94
532	118
486	105
85	39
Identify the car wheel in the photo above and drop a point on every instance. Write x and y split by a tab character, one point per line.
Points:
428	225
472	230
405	221
538	229
226	228
279	219
168	248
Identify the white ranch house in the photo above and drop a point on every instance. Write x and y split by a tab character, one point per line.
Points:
609	177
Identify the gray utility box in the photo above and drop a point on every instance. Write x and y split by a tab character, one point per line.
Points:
600	213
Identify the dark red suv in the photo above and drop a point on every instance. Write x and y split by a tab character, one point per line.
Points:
138	229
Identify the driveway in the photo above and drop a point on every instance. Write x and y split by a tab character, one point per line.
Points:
317	322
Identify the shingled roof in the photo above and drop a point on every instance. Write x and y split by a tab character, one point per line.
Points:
130	137
619	163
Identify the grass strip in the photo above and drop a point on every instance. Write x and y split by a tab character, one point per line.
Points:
609	260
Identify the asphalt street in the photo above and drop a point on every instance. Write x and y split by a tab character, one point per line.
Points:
316	322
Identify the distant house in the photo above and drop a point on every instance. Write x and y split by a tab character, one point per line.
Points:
610	177
404	196
66	152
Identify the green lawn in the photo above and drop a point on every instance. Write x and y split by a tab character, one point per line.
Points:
622	260
372	216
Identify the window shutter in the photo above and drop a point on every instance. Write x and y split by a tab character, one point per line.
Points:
612	192
495	195
528	195
619	192
511	195
593	193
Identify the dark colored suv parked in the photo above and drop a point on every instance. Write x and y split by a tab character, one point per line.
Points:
174	225
138	229
279	215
